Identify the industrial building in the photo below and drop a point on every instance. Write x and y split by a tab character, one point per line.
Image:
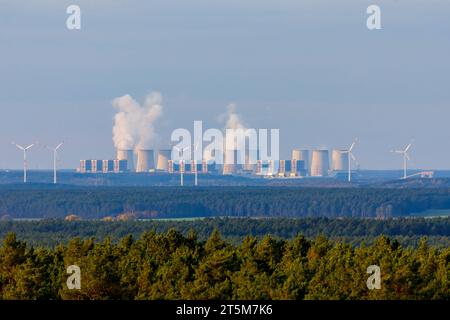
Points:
191	167
125	162
266	168
96	166
304	163
103	166
108	166
127	155
120	166
281	168
302	155
291	168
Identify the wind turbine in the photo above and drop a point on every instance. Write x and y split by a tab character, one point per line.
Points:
195	164
350	158
25	163
406	158
182	162
55	158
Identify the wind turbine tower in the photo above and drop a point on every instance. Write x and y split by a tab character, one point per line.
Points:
406	158
195	164
55	159
25	163
351	157
181	151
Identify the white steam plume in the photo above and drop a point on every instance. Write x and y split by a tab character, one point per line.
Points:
234	120
134	125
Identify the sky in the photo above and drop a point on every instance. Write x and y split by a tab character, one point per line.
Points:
309	68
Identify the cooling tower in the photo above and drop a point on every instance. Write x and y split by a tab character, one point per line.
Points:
320	163
251	158
340	160
302	155
162	162
145	160
126	155
230	162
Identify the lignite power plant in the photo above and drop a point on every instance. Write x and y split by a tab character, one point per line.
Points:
135	138
303	163
134	135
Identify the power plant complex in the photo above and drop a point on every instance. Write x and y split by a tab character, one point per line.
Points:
134	132
303	163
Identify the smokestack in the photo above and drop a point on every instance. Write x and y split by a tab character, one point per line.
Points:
128	156
162	163
145	160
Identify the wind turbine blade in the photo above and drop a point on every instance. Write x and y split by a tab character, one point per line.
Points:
29	147
352	146
19	146
407	157
59	146
352	156
408	147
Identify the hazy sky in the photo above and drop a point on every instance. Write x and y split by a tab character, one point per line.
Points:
310	68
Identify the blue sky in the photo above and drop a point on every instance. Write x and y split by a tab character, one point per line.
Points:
310	68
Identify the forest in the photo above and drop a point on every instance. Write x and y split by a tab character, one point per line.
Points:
172	202
170	265
355	231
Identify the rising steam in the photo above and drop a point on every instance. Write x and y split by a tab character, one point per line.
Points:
233	119
134	125
234	122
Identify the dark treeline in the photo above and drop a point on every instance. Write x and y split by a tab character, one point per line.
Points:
408	231
224	201
173	266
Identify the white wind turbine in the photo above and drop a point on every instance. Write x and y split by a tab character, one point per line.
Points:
25	163
351	157
182	150
406	158
195	164
55	158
